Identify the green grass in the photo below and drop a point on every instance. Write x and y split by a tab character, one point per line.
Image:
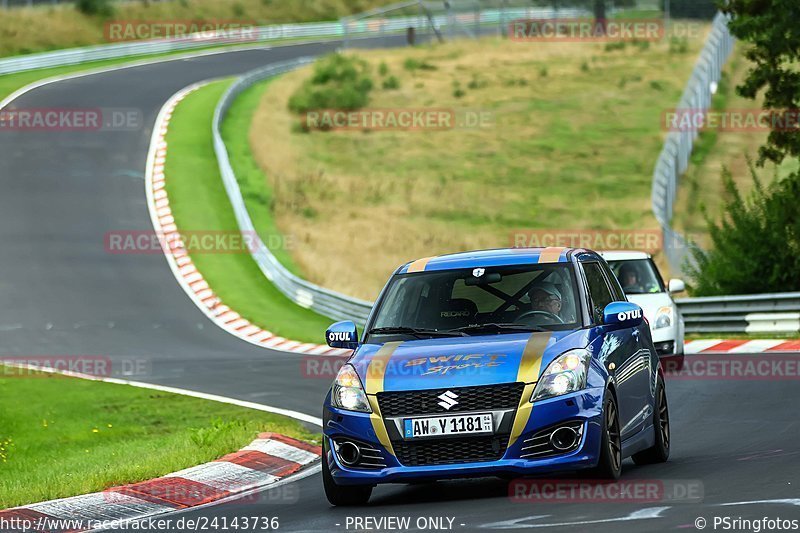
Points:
199	202
62	437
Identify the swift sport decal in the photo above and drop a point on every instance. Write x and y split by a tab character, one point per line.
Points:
442	365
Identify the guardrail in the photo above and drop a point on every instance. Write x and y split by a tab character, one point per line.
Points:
759	313
304	293
260	34
674	158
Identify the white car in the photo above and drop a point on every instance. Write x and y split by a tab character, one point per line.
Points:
644	286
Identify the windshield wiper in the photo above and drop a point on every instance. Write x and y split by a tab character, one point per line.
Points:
417	332
493	326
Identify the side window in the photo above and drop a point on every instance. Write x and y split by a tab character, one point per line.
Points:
616	288
599	291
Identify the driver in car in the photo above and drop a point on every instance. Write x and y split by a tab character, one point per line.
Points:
545	297
629	279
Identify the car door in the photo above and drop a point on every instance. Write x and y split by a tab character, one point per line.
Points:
621	352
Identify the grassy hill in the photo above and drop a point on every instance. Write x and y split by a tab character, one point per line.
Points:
25	30
574	133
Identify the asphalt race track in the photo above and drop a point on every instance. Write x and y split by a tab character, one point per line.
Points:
62	293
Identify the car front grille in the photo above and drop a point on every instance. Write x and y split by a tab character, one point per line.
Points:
426	402
448	451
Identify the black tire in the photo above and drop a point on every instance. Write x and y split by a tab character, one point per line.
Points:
610	464
342	495
659	452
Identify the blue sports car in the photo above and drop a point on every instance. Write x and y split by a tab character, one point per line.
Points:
494	363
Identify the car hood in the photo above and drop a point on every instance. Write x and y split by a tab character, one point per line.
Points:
461	361
651	303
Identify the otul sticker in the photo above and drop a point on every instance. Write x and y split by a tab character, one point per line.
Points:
629	315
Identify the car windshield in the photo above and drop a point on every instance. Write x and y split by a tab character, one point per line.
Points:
479	301
638	276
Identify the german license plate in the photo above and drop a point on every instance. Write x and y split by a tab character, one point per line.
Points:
438	426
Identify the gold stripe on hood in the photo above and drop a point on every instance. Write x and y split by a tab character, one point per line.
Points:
529	367
376	372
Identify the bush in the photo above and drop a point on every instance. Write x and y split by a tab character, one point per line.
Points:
338	82
391	83
615	45
101	8
383	69
756	246
412	64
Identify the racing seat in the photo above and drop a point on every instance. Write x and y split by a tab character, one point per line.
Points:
449	314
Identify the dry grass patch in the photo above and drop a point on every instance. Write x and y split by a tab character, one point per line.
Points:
574	135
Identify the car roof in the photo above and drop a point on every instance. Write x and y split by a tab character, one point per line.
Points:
490	258
623	255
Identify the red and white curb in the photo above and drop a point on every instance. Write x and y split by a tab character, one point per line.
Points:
741	346
181	263
266	461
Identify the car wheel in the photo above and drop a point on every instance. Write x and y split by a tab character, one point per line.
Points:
342	495
610	464
659	453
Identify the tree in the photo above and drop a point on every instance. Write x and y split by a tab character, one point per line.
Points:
771	29
756	247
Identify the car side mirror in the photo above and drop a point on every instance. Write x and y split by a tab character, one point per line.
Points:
621	315
342	335
676	285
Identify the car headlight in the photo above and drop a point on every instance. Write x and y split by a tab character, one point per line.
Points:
663	317
348	393
567	373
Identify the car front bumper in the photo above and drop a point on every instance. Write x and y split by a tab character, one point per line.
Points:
583	408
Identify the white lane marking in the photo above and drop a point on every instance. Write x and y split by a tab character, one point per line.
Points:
641	514
282	450
185	392
98	506
785	501
223	475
